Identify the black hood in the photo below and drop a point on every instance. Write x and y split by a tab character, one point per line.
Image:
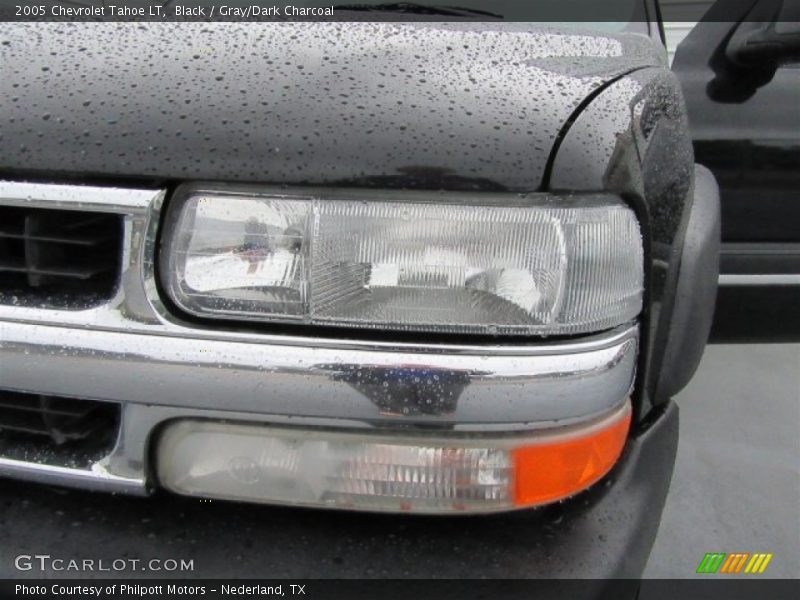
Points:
456	105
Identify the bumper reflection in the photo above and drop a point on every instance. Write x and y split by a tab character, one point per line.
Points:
408	390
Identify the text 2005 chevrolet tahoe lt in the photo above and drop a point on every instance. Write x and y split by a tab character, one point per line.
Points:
414	267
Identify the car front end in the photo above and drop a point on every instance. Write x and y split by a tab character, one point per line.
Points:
445	268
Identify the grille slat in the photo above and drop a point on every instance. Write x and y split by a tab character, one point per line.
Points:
58	258
60	418
78	241
85	273
22	421
56	430
22	404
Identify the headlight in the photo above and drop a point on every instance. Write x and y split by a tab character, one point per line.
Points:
499	264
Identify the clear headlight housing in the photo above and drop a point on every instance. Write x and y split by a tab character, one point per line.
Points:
468	263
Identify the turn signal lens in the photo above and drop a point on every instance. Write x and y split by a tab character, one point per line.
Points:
550	471
388	472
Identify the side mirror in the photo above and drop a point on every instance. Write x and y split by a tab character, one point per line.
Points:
767	37
764	45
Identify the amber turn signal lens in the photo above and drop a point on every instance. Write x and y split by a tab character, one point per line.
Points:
553	470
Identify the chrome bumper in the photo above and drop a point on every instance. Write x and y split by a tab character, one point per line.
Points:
131	350
157	378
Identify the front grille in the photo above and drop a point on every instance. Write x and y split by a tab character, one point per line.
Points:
58	258
55	430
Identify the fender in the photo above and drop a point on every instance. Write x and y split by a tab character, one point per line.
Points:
633	140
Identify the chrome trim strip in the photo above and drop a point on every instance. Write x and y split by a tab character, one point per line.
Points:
75	197
368	385
760	248
97	478
734	279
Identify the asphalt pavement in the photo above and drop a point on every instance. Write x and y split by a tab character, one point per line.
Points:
736	484
736	487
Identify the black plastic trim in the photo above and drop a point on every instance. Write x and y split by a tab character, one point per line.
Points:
696	289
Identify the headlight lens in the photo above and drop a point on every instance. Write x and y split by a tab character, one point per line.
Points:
488	264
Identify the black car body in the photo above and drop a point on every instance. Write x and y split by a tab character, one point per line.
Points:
739	71
152	116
